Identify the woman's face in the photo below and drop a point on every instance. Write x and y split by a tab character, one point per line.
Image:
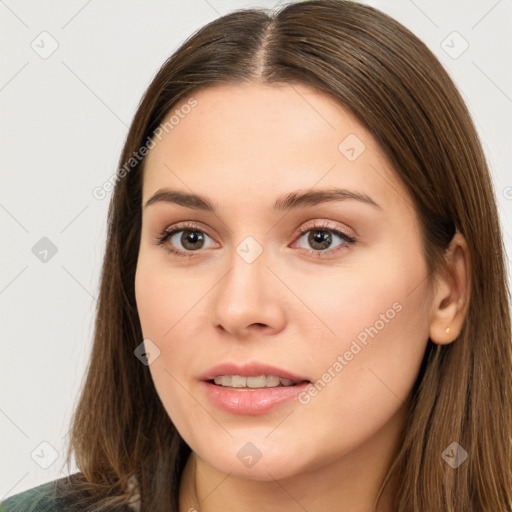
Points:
343	305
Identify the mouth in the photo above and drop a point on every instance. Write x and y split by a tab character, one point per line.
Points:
254	382
251	375
251	388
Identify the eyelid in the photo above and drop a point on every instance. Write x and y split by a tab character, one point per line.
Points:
328	225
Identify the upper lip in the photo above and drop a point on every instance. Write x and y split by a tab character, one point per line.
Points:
251	369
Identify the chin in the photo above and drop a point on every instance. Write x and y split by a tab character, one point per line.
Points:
245	461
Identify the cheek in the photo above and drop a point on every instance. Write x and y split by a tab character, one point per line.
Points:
169	312
369	359
163	300
166	306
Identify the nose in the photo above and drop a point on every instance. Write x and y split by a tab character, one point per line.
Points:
248	300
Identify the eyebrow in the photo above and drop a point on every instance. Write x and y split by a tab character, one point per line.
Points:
287	202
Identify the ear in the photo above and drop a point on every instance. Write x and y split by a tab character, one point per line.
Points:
451	293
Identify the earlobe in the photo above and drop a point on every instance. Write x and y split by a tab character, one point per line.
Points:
451	293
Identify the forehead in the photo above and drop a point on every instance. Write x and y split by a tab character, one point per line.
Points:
262	138
235	119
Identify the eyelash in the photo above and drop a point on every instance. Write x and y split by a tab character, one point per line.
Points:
161	238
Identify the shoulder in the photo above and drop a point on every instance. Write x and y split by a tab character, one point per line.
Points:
37	499
52	496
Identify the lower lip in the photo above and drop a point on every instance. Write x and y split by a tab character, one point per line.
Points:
251	401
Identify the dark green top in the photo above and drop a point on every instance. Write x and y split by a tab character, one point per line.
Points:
49	497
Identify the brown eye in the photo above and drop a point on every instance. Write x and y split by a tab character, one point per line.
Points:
191	239
319	240
182	240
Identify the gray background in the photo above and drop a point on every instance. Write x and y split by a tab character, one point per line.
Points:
64	118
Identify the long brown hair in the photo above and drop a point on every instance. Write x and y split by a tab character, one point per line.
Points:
393	84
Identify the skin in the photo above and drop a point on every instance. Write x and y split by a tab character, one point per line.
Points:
243	146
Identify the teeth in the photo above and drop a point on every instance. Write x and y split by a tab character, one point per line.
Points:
262	381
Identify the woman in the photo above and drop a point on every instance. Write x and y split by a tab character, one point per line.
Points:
303	300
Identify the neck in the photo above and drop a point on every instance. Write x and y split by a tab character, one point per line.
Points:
351	483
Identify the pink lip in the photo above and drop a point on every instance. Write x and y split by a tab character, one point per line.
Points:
253	369
251	401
